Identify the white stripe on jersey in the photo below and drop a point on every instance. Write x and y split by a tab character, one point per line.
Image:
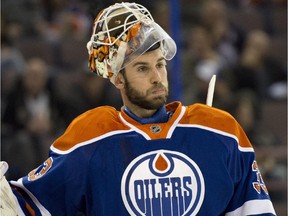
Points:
41	208
146	136
253	207
52	148
242	149
172	128
19	210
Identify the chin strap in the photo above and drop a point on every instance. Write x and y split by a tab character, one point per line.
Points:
8	205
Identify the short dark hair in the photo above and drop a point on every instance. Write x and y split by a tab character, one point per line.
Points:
154	47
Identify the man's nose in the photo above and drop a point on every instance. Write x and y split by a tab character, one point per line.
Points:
155	77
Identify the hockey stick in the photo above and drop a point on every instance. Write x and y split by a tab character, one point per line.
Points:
210	93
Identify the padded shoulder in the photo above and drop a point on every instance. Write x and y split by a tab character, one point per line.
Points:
208	116
216	119
89	125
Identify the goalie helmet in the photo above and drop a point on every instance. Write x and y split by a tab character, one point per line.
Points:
121	33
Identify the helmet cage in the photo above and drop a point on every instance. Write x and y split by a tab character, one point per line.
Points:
121	33
101	27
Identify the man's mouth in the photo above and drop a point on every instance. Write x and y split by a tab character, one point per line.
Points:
158	90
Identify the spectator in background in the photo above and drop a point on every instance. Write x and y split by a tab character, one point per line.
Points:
12	64
94	91
200	62
22	15
256	71
227	37
70	23
29	119
160	8
77	93
245	110
257	78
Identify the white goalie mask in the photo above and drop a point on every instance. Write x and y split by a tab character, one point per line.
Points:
121	33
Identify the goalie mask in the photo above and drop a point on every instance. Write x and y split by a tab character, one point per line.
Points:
121	33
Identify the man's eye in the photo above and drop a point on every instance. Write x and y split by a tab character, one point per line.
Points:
142	68
160	65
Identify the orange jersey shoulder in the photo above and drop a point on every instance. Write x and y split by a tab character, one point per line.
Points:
89	125
216	119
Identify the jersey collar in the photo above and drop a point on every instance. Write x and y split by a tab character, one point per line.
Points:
161	116
166	128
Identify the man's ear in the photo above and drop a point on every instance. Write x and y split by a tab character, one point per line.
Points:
119	81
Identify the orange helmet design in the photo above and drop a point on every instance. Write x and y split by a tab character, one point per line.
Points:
121	33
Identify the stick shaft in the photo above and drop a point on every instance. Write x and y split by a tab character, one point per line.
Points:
210	94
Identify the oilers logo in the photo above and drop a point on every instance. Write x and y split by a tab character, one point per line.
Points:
164	183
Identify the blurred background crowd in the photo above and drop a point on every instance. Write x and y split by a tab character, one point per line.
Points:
45	81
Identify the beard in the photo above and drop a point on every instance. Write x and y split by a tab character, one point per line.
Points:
141	99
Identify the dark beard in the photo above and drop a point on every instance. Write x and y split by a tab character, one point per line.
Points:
140	100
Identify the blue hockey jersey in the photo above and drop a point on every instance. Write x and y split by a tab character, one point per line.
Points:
200	162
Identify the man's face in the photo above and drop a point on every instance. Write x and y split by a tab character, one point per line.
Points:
146	84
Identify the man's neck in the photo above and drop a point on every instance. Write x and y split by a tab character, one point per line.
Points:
140	112
160	116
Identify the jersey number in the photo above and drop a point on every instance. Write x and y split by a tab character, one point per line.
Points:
260	183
